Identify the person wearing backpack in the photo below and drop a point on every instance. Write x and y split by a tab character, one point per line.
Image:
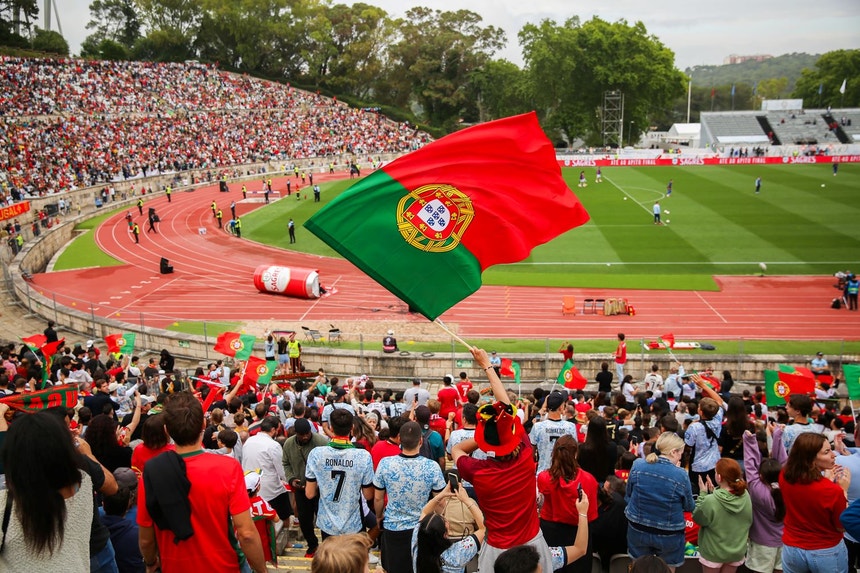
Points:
432	445
703	436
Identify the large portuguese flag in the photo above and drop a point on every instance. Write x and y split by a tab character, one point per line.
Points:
426	225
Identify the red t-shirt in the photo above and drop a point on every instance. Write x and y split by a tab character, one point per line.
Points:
438	423
507	493
448	397
217	491
812	513
621	353
559	499
383	449
566	354
142	454
463	387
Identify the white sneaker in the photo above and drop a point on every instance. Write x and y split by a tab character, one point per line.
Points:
372	559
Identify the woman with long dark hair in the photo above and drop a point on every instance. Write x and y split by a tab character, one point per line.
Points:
103	441
432	549
735	422
597	454
764	554
814	489
48	506
560	486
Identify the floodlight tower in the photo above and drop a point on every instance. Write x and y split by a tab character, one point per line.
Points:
48	5
613	118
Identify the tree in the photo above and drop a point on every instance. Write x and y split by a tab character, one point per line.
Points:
573	65
358	40
51	42
501	90
15	19
434	58
830	71
115	20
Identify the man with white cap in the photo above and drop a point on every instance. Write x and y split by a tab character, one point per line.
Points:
389	343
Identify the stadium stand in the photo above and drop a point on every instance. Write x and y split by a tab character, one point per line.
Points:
72	123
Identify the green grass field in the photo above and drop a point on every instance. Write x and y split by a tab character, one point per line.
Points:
83	252
716	225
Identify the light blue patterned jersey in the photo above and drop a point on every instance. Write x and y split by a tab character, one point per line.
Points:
790	433
543	437
707	450
340	474
558	557
329	408
455	558
408	481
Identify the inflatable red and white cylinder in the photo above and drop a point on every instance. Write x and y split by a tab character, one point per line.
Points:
288	281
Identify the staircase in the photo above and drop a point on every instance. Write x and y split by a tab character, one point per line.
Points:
768	129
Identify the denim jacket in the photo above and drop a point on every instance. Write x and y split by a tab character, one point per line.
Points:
658	494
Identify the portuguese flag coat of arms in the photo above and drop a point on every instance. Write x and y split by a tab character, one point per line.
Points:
779	386
122	343
426	225
235	344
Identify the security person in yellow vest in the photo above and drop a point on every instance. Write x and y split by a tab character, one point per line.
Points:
294	350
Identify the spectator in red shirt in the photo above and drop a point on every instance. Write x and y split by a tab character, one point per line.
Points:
215	490
463	386
505	481
566	350
391	445
449	399
154	442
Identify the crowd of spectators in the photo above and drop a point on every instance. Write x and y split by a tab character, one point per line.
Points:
552	476
74	123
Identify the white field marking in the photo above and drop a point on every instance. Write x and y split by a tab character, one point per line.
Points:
317	301
712	308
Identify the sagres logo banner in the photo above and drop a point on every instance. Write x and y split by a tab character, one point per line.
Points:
434	217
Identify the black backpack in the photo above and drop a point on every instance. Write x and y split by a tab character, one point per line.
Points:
837	304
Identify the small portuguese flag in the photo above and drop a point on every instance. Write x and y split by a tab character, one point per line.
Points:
779	386
234	344
426	225
259	371
570	377
120	343
510	369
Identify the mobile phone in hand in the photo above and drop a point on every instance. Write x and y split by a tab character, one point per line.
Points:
579	491
454	481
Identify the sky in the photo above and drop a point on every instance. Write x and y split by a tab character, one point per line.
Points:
697	31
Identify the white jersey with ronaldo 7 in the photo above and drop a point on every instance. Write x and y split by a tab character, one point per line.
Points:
340	473
543	437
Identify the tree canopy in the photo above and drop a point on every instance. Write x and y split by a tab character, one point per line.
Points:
439	67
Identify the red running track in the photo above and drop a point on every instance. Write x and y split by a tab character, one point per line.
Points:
213	280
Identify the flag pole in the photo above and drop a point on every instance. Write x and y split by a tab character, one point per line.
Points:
452	334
